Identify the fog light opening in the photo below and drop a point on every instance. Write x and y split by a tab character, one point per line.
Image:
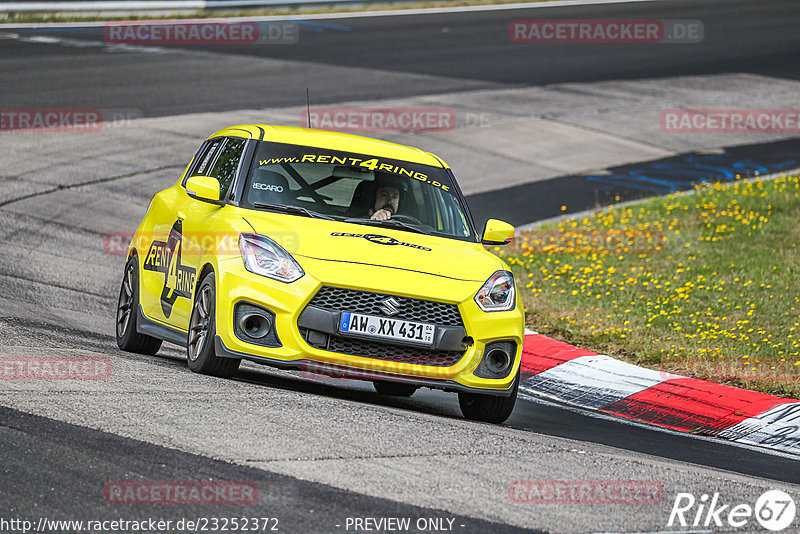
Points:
497	361
255	325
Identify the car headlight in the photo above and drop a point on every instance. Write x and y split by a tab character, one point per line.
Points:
498	293
263	256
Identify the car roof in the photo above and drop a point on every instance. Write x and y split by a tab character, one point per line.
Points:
333	140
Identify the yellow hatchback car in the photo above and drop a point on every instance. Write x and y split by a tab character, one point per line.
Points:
330	253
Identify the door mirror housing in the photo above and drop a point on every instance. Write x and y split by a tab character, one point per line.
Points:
497	233
204	188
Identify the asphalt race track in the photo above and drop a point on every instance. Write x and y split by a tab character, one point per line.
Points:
386	57
319	450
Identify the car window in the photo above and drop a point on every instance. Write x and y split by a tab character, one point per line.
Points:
348	186
226	164
219	160
205	159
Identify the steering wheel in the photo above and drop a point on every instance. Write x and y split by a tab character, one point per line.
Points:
406	218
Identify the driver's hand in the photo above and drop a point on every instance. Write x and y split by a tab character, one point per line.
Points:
381	215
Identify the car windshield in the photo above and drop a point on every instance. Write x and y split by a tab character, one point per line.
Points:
352	187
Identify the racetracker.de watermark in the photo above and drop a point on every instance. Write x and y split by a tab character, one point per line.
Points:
730	121
585	492
380	119
180	493
55	368
65	119
624	31
376	370
161	244
191	33
586	241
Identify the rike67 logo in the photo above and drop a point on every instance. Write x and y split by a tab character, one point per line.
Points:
774	510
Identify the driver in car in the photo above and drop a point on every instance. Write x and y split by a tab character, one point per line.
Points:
387	201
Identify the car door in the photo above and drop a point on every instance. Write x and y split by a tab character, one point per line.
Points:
204	226
183	227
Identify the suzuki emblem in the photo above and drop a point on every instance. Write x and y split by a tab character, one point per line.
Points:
390	306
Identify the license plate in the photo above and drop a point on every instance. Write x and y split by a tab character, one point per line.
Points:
386	328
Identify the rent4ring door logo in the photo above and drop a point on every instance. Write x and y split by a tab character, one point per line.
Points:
165	257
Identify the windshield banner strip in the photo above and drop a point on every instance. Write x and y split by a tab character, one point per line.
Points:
397	168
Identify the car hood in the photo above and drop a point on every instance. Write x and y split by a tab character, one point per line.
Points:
334	241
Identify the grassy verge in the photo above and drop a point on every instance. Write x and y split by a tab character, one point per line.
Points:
288	11
704	285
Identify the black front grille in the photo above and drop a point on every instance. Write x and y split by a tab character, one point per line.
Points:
352	300
335	300
393	353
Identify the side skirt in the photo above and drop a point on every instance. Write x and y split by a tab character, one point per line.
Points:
154	329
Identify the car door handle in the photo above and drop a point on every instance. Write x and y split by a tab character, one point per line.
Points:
181	216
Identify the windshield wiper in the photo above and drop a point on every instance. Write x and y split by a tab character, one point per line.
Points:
391	223
295	210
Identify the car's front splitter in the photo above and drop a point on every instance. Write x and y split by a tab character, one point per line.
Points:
352	373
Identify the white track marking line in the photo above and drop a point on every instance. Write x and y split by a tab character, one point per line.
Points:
532	397
347	15
594	381
79	43
777	428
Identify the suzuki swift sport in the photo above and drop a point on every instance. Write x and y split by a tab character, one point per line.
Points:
330	253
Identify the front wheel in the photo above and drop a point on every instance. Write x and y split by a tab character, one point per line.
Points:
128	338
488	408
202	356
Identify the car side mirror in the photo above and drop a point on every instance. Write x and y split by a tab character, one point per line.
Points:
497	233
204	188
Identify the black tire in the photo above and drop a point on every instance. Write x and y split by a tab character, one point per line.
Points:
488	408
201	355
395	389
128	339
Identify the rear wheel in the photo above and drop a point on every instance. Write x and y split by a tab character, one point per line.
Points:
128	339
395	389
202	356
488	408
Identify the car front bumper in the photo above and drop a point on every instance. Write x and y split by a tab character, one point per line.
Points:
457	351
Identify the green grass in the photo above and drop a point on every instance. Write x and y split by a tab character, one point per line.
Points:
298	11
704	285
